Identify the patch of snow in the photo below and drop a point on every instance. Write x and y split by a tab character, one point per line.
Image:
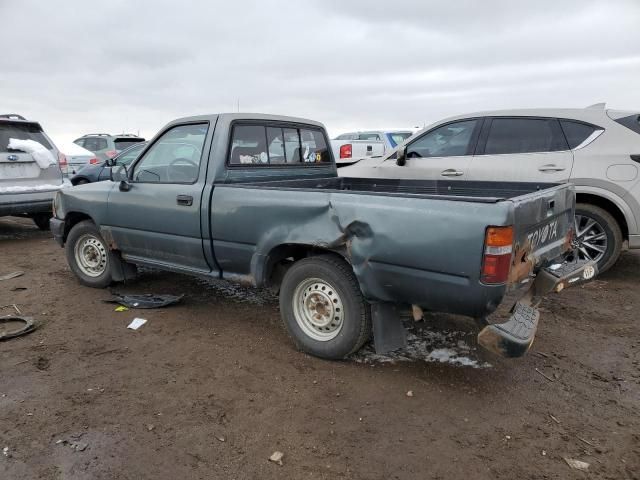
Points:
427	346
33	188
39	152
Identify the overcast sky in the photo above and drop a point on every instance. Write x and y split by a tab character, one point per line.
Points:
80	67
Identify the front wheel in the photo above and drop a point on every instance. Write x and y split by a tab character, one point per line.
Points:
323	309
88	255
598	236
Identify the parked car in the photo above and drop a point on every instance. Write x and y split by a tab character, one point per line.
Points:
29	170
255	198
77	157
597	150
348	148
102	170
106	146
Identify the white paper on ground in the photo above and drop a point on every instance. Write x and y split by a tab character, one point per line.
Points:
137	323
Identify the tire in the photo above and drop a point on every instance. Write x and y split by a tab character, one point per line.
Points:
88	255
42	220
82	181
335	320
590	238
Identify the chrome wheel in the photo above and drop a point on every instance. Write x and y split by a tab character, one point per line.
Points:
91	256
318	309
590	239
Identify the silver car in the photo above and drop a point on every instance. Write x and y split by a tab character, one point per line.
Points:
594	148
28	180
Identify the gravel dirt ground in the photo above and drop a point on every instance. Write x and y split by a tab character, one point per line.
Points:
212	387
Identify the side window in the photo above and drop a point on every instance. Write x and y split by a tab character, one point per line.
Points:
523	135
80	142
174	157
576	132
270	145
451	140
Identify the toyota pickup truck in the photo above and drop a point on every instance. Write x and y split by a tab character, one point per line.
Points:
256	199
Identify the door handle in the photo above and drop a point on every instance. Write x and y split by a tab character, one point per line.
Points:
186	200
451	172
550	168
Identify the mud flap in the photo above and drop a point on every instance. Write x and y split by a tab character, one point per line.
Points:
121	271
388	331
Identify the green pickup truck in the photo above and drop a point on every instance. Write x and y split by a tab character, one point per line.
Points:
256	199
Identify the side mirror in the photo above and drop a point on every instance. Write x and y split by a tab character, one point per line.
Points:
120	174
401	157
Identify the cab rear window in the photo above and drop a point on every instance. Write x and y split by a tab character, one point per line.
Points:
21	131
265	145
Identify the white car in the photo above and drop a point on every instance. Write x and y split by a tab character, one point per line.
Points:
596	149
77	157
348	148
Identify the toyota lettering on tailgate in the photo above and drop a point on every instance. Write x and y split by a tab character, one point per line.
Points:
543	234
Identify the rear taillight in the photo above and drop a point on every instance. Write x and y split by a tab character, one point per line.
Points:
345	151
62	163
498	249
93	161
111	153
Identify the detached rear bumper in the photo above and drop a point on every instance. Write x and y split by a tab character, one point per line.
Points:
514	337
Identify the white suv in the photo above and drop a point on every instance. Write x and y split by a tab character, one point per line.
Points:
596	149
29	171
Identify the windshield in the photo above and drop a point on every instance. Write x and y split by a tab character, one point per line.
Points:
129	155
21	131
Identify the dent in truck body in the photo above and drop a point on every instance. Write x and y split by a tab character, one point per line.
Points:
396	252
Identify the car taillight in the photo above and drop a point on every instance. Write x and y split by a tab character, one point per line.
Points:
93	161
111	153
62	163
345	151
498	249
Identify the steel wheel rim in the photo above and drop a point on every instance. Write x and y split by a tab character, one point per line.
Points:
318	309
91	256
591	238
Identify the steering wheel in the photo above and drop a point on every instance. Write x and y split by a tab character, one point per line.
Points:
172	171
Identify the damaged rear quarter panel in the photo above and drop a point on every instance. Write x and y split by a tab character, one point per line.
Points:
403	249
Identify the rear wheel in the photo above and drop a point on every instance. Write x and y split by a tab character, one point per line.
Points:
323	309
42	220
88	255
598	236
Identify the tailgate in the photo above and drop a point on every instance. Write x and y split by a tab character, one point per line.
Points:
543	227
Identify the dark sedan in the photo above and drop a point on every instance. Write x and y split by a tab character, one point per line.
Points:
102	171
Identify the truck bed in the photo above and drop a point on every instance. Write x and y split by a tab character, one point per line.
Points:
460	190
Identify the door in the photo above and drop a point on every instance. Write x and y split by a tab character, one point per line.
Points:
158	218
522	149
443	153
